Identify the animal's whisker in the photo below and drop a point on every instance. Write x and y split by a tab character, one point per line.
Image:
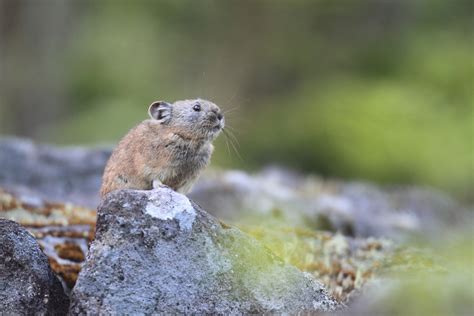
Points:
232	136
231	141
232	129
230	110
227	144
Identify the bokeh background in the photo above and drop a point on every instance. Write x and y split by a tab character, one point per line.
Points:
378	90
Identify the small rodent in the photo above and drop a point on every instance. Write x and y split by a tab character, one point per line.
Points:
170	148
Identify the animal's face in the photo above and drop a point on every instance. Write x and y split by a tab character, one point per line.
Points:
199	118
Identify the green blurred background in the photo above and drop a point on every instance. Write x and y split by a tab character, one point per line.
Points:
379	90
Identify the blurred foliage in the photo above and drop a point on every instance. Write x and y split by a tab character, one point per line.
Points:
398	279
370	89
424	292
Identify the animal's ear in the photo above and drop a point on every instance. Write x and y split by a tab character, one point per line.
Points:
160	111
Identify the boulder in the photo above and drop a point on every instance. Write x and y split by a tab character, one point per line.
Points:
158	252
37	171
27	284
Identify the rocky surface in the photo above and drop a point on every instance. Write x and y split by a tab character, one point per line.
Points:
356	209
73	175
62	230
345	234
342	263
157	252
27	284
34	171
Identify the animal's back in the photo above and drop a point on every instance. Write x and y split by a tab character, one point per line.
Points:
123	168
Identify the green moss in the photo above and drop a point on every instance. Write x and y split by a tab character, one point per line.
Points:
449	291
417	279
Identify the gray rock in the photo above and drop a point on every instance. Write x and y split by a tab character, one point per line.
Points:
357	209
33	171
158	252
27	284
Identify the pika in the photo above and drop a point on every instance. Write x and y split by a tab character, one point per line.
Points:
170	148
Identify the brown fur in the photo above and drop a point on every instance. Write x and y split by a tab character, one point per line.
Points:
171	150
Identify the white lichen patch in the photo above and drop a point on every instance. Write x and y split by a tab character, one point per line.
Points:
166	204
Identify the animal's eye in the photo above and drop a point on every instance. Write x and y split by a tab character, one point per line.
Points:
197	107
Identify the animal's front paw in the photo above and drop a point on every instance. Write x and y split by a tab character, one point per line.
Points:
156	184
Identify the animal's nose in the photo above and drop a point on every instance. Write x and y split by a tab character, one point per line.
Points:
218	114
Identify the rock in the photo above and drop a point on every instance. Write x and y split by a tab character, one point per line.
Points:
63	231
158	252
36	172
27	284
356	209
